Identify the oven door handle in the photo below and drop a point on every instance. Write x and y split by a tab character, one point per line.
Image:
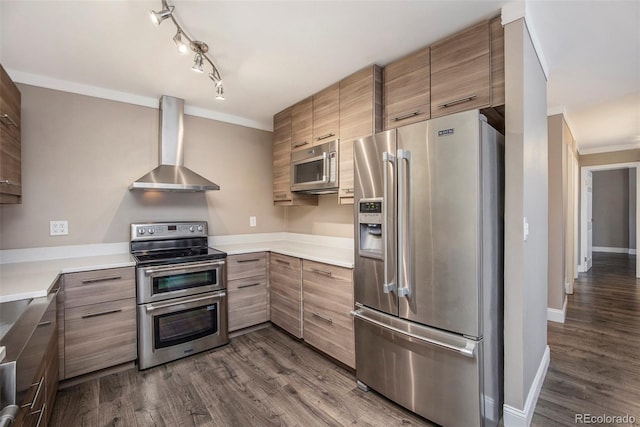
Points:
151	307
182	267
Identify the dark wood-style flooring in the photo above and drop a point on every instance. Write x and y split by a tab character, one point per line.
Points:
595	354
267	378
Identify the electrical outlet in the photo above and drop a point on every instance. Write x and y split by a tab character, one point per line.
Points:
252	221
58	228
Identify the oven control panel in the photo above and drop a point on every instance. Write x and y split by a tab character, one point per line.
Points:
168	230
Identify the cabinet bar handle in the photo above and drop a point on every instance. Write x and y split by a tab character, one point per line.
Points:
325	318
42	410
48	322
248	286
406	116
102	279
248	260
8	119
103	313
323	272
329	135
300	144
349	190
35	396
458	101
284	262
8	182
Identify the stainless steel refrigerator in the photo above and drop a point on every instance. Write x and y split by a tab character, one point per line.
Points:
429	268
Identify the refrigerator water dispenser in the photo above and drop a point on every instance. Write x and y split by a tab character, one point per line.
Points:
370	238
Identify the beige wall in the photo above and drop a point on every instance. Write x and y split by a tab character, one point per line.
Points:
526	195
612	157
81	153
328	218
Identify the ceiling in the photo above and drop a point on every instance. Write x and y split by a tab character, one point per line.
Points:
274	53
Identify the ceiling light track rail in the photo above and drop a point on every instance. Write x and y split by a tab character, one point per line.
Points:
184	43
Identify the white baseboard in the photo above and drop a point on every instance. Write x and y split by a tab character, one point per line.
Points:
568	288
556	315
514	417
614	250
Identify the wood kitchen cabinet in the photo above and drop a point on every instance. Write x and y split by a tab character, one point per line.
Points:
328	301
302	124
461	71
282	194
248	294
407	90
497	61
326	115
285	288
99	320
360	115
10	141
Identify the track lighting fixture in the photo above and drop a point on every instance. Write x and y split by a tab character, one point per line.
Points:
184	43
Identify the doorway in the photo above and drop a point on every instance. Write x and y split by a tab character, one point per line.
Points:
585	259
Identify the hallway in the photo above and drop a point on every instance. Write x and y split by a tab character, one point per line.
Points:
595	354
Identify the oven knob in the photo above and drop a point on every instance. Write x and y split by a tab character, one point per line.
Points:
140	230
200	228
191	228
151	231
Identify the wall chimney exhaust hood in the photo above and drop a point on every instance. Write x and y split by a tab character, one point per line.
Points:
172	175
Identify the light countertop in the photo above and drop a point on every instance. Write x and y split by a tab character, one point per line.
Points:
35	278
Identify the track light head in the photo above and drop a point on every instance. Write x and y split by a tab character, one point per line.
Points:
197	63
220	93
183	48
158	17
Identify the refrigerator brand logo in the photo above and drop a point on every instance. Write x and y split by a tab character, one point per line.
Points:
445	132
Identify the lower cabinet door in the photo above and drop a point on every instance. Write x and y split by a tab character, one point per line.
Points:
99	336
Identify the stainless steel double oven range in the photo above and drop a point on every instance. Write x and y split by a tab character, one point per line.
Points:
181	291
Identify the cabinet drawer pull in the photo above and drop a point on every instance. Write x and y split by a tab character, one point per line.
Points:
329	135
248	260
248	286
8	119
320	316
101	279
48	322
8	182
349	190
41	411
458	101
323	272
102	313
406	116
35	396
300	144
287	263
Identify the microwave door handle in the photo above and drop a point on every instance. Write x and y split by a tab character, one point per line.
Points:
325	167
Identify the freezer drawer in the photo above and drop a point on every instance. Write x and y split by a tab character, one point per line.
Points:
432	373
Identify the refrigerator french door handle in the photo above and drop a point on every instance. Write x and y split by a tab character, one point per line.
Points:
404	209
389	285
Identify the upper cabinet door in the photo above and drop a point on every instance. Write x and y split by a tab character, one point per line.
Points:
461	71
10	141
302	124
326	114
407	95
360	115
497	62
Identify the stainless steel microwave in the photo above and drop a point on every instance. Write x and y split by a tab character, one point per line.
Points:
315	170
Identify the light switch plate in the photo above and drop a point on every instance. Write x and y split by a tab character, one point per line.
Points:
58	228
252	221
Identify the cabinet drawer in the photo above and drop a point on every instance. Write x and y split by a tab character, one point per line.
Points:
98	336
246	265
92	287
248	302
328	301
